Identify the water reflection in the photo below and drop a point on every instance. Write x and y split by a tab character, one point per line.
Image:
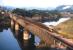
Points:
3	27
7	41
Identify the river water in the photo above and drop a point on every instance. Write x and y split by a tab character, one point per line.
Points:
9	42
55	23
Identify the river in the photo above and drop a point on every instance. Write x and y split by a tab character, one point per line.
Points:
55	23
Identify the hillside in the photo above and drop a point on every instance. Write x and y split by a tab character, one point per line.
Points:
66	28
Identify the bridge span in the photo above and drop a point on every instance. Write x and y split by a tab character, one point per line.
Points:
40	30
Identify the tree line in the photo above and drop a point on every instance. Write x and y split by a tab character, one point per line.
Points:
50	14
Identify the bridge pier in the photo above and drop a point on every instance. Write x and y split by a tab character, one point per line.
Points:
26	35
12	23
16	26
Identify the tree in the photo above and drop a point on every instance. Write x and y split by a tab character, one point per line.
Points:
19	11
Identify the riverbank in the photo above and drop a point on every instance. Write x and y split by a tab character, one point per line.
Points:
66	28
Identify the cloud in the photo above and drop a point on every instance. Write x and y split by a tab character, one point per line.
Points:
36	3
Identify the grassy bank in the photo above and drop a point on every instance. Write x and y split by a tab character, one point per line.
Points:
66	28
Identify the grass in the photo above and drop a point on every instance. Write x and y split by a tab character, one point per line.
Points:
66	28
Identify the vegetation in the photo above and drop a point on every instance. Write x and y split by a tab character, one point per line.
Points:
35	11
66	28
40	14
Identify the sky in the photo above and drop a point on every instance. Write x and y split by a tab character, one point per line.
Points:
35	3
